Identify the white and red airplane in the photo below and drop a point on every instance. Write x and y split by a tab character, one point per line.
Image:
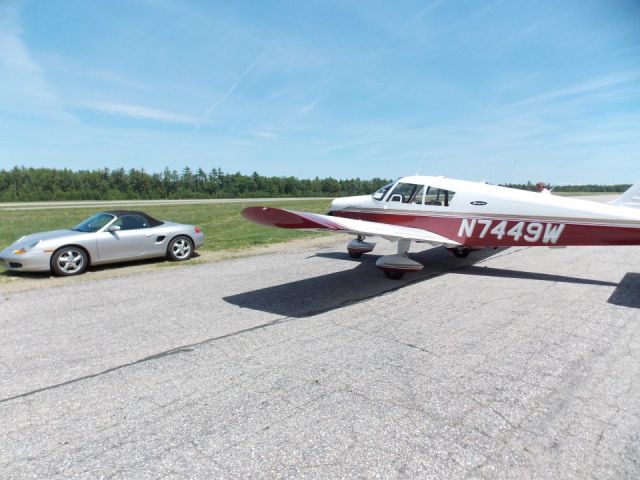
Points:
464	216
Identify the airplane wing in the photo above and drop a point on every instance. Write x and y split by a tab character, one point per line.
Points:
276	217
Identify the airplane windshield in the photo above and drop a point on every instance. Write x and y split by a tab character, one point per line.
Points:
379	194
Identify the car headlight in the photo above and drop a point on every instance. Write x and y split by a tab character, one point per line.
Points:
22	250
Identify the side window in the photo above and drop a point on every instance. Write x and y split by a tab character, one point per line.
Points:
418	197
404	192
131	222
437	196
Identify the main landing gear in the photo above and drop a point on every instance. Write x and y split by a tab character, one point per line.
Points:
395	266
358	246
460	252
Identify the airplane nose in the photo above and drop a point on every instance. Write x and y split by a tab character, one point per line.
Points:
337	204
345	203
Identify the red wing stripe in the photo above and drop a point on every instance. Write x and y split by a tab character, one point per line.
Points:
277	217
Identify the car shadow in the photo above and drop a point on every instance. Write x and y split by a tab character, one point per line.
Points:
99	268
146	261
313	296
32	275
627	292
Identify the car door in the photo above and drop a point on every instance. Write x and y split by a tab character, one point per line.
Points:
133	240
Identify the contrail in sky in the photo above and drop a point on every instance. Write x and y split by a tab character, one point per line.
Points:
232	88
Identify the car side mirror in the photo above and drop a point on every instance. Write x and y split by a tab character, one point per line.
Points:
113	228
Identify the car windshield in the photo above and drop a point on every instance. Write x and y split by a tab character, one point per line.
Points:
95	223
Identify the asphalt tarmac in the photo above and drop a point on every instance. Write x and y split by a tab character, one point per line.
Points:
518	363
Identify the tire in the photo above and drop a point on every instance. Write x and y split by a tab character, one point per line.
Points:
180	249
460	253
69	260
393	275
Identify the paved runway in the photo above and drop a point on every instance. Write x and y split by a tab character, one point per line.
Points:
520	363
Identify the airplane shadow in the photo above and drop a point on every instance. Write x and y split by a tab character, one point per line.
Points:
627	292
313	296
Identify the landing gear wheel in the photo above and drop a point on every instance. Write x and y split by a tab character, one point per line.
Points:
67	261
460	252
180	249
358	246
393	275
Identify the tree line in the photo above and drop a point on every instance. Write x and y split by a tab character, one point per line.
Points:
618	188
46	184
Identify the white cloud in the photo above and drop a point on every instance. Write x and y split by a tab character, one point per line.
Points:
311	105
265	134
22	82
594	85
141	112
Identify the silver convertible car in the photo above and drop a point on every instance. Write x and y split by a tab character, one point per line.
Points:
106	237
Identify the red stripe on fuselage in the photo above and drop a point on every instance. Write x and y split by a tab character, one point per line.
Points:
499	232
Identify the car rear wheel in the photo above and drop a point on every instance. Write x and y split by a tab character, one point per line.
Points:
180	248
68	261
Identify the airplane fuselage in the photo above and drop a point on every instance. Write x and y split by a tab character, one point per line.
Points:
478	215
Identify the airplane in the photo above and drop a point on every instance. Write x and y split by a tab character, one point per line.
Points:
464	216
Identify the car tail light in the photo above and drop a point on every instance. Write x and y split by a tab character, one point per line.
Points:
196	229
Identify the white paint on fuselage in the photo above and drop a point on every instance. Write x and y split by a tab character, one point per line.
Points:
500	201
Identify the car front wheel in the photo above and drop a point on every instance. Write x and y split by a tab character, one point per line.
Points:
180	248
68	261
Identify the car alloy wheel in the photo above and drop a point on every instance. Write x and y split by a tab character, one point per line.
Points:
69	261
180	248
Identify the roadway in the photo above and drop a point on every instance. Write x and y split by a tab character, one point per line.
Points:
110	204
304	363
105	204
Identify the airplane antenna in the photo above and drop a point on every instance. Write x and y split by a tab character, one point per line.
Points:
424	156
484	180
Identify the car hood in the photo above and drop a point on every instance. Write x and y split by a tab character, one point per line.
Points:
28	240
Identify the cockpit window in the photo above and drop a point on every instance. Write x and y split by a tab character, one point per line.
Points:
379	195
415	194
437	196
404	192
418	197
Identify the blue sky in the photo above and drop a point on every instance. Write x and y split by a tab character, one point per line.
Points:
508	90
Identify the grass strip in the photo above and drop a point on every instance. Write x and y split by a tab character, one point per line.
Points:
224	228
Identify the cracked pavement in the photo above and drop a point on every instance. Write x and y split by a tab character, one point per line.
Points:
519	363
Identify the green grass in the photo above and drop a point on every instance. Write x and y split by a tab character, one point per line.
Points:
223	227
